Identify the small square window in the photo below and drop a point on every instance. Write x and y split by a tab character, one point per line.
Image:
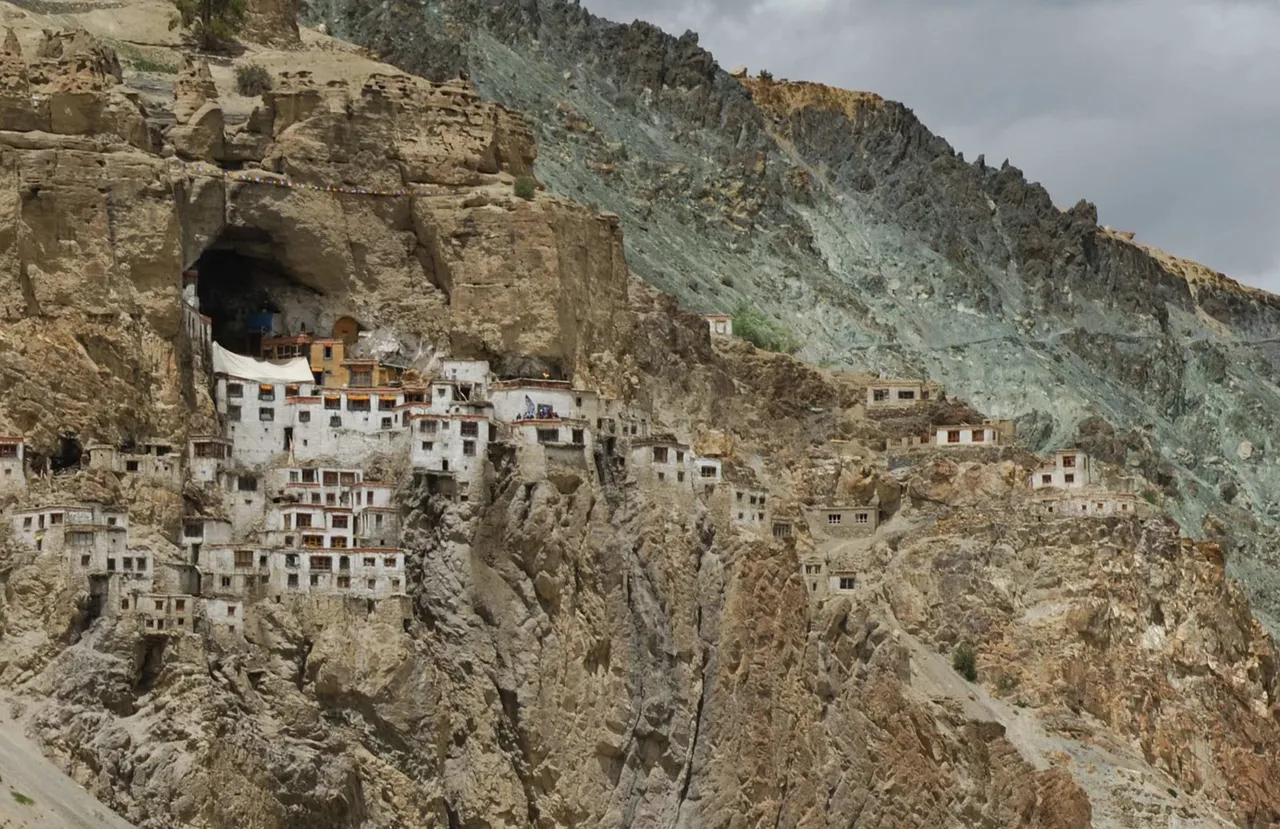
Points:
304	417
235	390
225	581
266	415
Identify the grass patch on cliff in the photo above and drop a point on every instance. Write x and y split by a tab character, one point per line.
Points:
763	332
525	187
965	660
22	798
252	80
145	61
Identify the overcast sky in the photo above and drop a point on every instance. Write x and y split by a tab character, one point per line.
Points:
1164	113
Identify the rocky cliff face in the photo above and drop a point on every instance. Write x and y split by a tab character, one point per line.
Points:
586	646
842	215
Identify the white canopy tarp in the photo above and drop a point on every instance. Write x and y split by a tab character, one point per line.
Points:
297	370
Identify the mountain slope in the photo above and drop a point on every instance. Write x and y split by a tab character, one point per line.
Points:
842	215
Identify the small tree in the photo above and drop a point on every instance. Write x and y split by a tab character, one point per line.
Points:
211	23
762	332
252	79
524	187
965	661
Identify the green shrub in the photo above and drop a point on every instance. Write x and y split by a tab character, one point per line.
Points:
21	798
252	79
965	661
525	187
763	332
212	24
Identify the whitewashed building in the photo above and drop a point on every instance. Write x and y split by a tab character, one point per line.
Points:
813	569
1091	504
199	531
1071	469
720	325
453	443
748	507
13	468
884	393
153	459
364	572
529	399
968	434
842	580
93	537
706	474
208	456
843	521
664	458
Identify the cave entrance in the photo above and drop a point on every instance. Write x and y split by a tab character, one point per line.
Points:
247	293
67	457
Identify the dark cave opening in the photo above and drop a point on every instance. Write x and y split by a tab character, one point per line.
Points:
67	455
245	290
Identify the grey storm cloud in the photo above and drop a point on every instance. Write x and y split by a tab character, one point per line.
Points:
1162	112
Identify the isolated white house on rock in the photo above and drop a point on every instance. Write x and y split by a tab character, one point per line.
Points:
888	394
1071	469
720	325
968	434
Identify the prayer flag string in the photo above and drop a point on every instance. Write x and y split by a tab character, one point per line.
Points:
319	188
